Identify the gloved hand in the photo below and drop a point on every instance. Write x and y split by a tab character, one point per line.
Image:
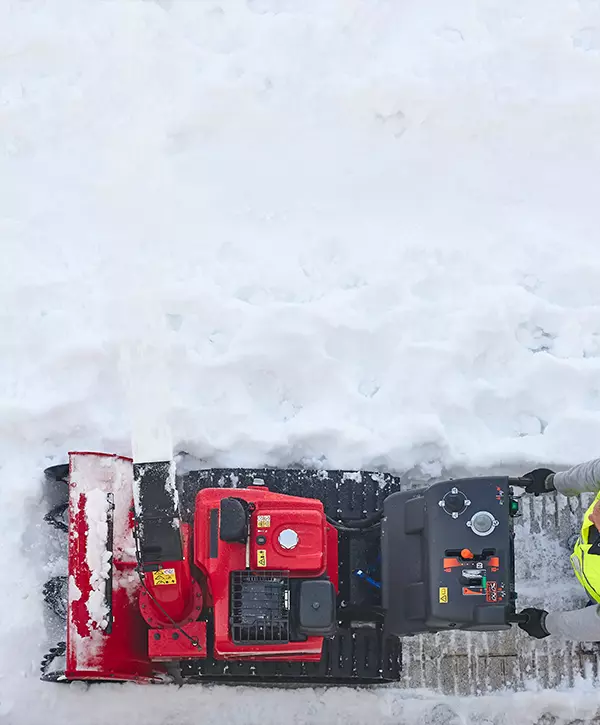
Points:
535	624
541	480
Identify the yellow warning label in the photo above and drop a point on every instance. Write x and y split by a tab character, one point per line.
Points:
164	576
443	595
263	522
261	557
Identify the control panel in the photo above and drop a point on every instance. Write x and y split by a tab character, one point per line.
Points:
469	546
447	556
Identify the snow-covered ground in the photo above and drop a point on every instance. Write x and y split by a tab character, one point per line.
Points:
358	232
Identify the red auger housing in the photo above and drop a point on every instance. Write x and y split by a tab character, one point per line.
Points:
272	575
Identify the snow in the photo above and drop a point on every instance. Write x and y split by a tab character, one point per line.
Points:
98	558
122	487
358	234
86	649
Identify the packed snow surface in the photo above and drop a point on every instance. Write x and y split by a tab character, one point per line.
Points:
352	233
97	557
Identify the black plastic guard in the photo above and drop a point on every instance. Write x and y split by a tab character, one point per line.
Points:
157	513
423	573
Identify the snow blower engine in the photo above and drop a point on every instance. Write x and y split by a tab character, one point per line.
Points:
269	575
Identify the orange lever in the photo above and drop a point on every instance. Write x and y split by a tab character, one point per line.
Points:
467	554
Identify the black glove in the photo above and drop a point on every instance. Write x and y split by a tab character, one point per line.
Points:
540	480
535	624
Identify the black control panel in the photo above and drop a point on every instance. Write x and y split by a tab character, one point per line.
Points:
447	557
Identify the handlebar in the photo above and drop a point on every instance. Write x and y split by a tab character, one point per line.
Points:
517	618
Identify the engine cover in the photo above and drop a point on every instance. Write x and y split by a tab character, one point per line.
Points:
251	544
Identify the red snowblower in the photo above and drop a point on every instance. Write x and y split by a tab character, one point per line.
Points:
269	576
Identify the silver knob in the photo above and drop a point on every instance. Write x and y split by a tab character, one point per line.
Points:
482	523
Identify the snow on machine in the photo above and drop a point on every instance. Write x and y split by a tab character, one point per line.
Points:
269	576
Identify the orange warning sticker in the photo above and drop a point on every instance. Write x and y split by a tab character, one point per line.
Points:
493	593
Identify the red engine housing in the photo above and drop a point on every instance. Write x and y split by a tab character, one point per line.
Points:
314	555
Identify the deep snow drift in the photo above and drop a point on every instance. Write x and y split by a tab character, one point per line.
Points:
360	233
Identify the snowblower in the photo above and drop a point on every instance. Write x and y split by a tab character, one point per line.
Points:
269	576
